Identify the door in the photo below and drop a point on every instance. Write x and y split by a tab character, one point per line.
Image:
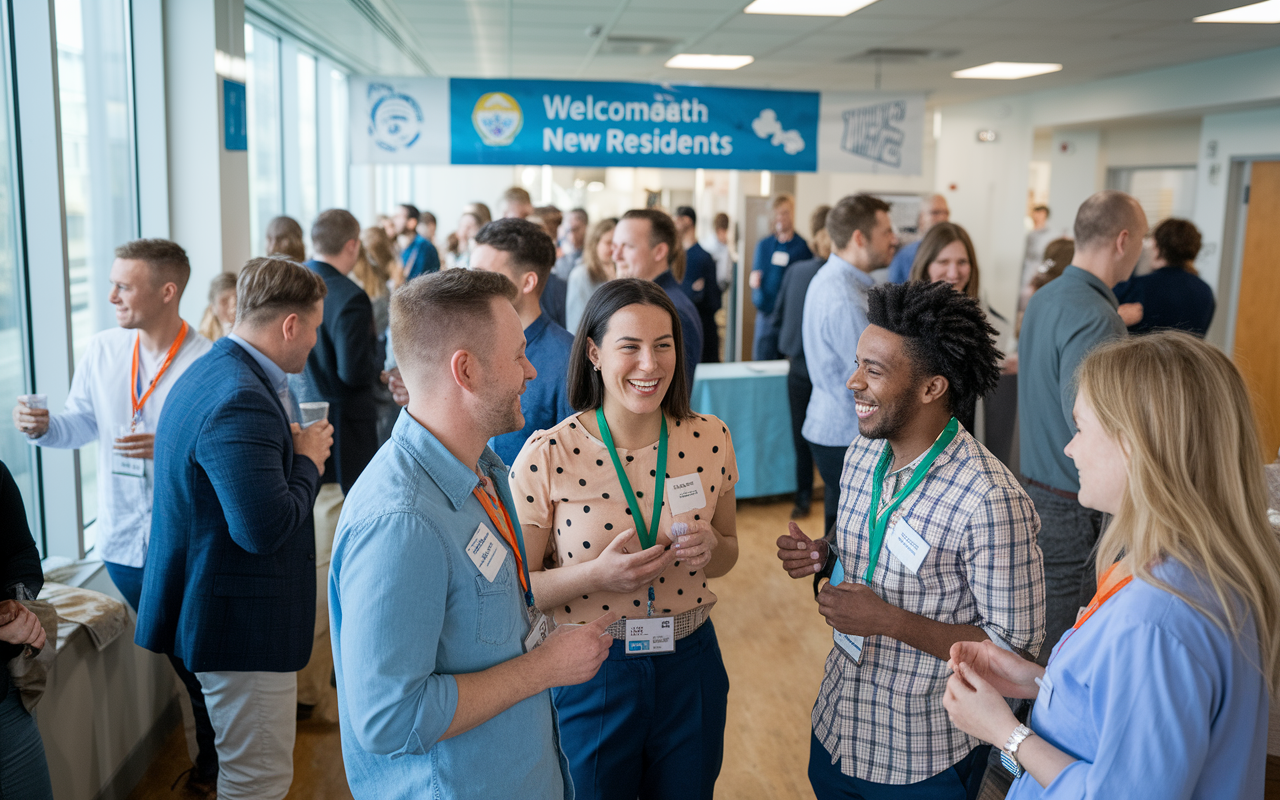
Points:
1257	325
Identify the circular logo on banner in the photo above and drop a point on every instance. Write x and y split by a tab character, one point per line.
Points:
395	121
497	118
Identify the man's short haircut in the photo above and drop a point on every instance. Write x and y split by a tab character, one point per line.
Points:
428	218
332	230
580	213
527	243
271	286
1102	217
1045	209
411	211
721	222
517	195
167	260
782	199
662	229
946	333
688	212
856	212
586	386
818	219
1178	240
434	316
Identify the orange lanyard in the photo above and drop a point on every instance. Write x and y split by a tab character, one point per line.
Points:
139	402
1101	596
502	521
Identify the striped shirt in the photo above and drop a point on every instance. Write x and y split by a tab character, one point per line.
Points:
884	718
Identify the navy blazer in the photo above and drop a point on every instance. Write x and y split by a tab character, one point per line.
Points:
230	579
343	369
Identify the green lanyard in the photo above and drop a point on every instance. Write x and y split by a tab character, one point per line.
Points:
879	520
647	537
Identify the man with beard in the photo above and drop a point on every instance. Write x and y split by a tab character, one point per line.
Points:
935	544
444	665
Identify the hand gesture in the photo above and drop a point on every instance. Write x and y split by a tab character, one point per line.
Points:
620	570
855	609
572	654
1008	673
136	445
800	555
755	279
34	422
20	625
694	542
1131	313
313	441
399	392
976	708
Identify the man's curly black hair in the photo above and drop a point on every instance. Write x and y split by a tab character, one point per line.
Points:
947	334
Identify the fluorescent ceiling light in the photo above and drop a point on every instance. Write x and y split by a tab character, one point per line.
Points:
706	61
1006	70
1267	13
807	8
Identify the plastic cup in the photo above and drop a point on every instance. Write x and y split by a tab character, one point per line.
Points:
34	400
313	412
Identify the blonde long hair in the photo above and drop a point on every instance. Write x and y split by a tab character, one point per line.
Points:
379	260
1196	489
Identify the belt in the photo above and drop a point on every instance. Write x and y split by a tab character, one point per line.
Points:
686	623
1051	490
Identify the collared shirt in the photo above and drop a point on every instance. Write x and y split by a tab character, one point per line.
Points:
99	402
900	266
546	398
835	314
884	719
421	257
410	610
724	260
1154	700
278	377
1064	321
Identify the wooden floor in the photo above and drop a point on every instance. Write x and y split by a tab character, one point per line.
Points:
774	644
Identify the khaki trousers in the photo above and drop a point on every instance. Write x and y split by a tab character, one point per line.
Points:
313	679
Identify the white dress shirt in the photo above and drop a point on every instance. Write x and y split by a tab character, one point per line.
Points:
99	401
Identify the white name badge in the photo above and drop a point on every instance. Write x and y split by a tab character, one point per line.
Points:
780	258
907	545
649	636
123	465
487	552
542	628
851	646
1045	695
685	494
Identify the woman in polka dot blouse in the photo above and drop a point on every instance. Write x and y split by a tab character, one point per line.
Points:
651	723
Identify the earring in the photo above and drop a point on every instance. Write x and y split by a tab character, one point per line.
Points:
596	367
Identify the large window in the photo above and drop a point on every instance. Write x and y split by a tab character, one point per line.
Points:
266	173
99	175
308	144
340	122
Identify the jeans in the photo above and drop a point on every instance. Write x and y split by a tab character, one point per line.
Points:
830	461
24	773
959	782
129	581
1068	535
798	390
764	346
255	715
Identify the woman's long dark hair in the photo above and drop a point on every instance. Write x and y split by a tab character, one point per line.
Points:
586	386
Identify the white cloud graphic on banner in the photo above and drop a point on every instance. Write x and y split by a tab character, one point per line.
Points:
767	125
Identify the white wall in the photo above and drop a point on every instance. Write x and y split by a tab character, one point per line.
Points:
1075	172
1151	143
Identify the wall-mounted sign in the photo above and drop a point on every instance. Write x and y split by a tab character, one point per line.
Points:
235	127
871	132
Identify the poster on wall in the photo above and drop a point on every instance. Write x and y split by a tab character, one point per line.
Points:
599	124
399	120
872	132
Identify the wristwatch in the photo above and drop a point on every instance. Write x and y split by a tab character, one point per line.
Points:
1009	753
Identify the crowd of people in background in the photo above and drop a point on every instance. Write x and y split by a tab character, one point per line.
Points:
465	484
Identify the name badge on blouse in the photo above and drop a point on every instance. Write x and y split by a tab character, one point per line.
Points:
909	547
685	494
486	552
649	636
540	630
123	465
780	258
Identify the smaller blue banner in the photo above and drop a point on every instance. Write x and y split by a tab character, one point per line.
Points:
597	124
235	123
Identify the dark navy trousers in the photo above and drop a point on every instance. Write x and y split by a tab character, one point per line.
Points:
648	727
959	782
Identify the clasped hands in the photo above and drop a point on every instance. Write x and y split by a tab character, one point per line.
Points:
624	567
850	607
983	675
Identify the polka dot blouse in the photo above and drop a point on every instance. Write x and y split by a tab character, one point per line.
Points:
564	480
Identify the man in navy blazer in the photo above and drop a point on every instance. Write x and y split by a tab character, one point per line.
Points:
342	370
229	584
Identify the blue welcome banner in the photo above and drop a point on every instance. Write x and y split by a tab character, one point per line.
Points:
596	124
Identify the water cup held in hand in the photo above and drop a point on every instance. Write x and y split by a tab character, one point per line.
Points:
34	400
313	412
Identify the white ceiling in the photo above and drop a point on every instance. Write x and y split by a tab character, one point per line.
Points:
546	39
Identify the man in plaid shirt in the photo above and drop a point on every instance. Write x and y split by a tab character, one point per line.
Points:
957	557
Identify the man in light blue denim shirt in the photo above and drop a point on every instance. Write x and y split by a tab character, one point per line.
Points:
835	314
443	686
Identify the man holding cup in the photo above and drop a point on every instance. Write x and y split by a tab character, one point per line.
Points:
117	393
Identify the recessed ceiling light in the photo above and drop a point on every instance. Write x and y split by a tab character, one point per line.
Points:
1266	13
1006	70
707	61
807	8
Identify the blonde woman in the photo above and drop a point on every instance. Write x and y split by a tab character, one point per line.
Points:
1160	690
596	268
284	238
380	251
220	315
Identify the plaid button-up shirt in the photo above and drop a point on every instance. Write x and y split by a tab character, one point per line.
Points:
884	718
